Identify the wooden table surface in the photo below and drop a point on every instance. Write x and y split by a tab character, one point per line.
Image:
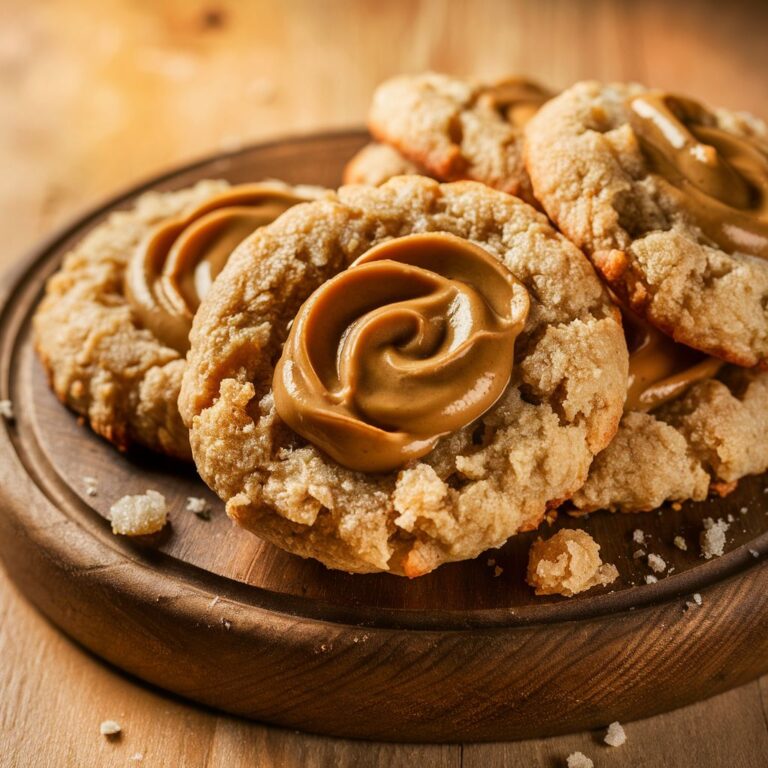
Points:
96	94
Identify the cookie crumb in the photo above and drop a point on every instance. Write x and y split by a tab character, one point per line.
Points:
579	760
680	543
615	735
199	507
650	579
497	571
491	562
677	506
110	728
6	410
91	485
139	515
637	554
638	536
744	510
656	564
567	563
712	538
695	603
754	553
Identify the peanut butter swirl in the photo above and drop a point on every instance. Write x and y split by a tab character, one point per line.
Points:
516	99
660	369
414	341
172	270
722	178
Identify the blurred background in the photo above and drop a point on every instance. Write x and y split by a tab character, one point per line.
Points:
96	94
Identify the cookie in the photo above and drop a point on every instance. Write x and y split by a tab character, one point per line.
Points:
670	201
456	129
566	564
692	424
112	329
378	292
704	441
376	163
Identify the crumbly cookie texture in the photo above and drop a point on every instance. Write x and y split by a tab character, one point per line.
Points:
438	123
713	435
479	485
589	173
376	163
139	515
100	361
567	563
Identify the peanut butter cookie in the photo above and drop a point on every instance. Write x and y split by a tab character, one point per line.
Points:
376	163
402	375
112	329
670	201
692	424
456	129
705	440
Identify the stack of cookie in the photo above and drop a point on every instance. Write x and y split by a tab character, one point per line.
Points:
414	368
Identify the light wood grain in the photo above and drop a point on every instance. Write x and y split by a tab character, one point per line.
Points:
95	95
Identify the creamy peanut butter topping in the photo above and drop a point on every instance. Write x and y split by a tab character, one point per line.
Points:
172	270
516	98
722	179
414	341
660	369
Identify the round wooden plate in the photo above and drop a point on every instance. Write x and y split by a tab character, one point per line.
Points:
466	653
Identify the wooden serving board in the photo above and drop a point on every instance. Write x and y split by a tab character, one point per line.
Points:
466	653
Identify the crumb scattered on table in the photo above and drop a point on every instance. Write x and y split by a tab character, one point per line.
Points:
567	563
615	735
139	515
638	536
198	506
656	563
109	728
650	579
680	543
91	485
579	760
712	538
498	570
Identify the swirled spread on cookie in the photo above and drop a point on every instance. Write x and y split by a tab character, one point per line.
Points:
659	368
172	270
516	98
414	341
721	178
